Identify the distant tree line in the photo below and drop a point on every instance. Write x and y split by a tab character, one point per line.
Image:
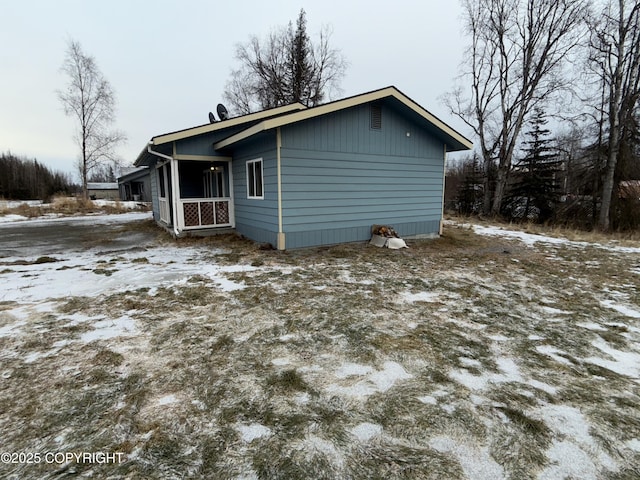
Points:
24	179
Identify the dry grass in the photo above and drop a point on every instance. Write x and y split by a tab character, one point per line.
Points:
284	377
65	206
630	237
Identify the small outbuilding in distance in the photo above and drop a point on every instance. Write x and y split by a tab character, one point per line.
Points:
296	177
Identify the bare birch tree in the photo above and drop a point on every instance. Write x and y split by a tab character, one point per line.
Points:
90	100
615	56
515	62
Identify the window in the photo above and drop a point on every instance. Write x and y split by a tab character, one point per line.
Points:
162	180
254	179
376	117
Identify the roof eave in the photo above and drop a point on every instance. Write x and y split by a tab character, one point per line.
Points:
231	122
456	140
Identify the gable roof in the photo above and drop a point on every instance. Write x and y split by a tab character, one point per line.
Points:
231	122
453	139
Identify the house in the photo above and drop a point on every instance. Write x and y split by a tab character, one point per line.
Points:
295	177
135	184
102	190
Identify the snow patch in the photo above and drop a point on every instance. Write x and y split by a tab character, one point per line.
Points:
428	400
622	309
623	363
12	218
634	444
249	433
312	444
280	362
386	378
409	297
375	381
553	352
167	400
110	328
567	460
352	369
475	462
555	311
498	338
510	373
592	326
470	362
366	431
11	330
545	387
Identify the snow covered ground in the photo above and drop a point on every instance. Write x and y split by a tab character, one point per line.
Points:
486	354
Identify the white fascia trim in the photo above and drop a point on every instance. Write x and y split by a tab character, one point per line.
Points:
340	105
202	158
212	127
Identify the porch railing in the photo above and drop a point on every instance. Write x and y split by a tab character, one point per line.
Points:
204	212
164	210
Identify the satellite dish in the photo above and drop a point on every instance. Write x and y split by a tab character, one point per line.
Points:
212	119
222	112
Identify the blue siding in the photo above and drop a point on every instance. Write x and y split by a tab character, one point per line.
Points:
332	236
257	219
203	144
155	192
340	177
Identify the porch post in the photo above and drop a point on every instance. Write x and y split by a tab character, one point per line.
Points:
232	212
444	179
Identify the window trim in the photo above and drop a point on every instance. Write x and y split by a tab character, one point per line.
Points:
251	166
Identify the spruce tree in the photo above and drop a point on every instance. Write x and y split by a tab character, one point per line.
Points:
536	191
470	194
300	66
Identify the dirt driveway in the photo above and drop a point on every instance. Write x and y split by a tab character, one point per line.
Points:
63	235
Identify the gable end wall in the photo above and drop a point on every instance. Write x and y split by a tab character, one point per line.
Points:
339	177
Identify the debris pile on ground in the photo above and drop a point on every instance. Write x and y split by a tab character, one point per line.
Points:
385	236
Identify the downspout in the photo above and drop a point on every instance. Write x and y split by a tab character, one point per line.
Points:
444	180
174	205
281	236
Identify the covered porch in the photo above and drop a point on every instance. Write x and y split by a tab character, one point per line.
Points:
195	194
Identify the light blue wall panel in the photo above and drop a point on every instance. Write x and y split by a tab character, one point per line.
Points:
334	236
347	192
203	144
256	219
348	131
339	177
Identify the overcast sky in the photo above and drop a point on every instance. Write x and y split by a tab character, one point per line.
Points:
168	61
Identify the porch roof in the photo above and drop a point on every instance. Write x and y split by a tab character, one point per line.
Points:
454	140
